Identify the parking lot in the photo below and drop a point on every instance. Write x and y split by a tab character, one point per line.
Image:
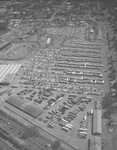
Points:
58	87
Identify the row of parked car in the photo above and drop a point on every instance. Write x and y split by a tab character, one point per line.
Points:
83	54
87	67
82	80
80	50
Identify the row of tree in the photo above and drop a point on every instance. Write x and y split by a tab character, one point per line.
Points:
111	97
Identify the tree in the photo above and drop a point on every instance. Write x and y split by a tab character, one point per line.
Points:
115	86
56	145
106	105
111	75
107	101
107	114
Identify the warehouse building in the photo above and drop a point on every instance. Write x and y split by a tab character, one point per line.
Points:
97	122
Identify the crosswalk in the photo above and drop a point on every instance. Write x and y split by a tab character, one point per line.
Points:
6	69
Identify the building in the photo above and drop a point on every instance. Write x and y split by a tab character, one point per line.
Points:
97	122
95	143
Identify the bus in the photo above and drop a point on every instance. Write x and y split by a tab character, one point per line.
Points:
69	127
64	120
52	104
66	106
82	129
51	125
82	132
65	129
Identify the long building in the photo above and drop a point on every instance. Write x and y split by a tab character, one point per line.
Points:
97	122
